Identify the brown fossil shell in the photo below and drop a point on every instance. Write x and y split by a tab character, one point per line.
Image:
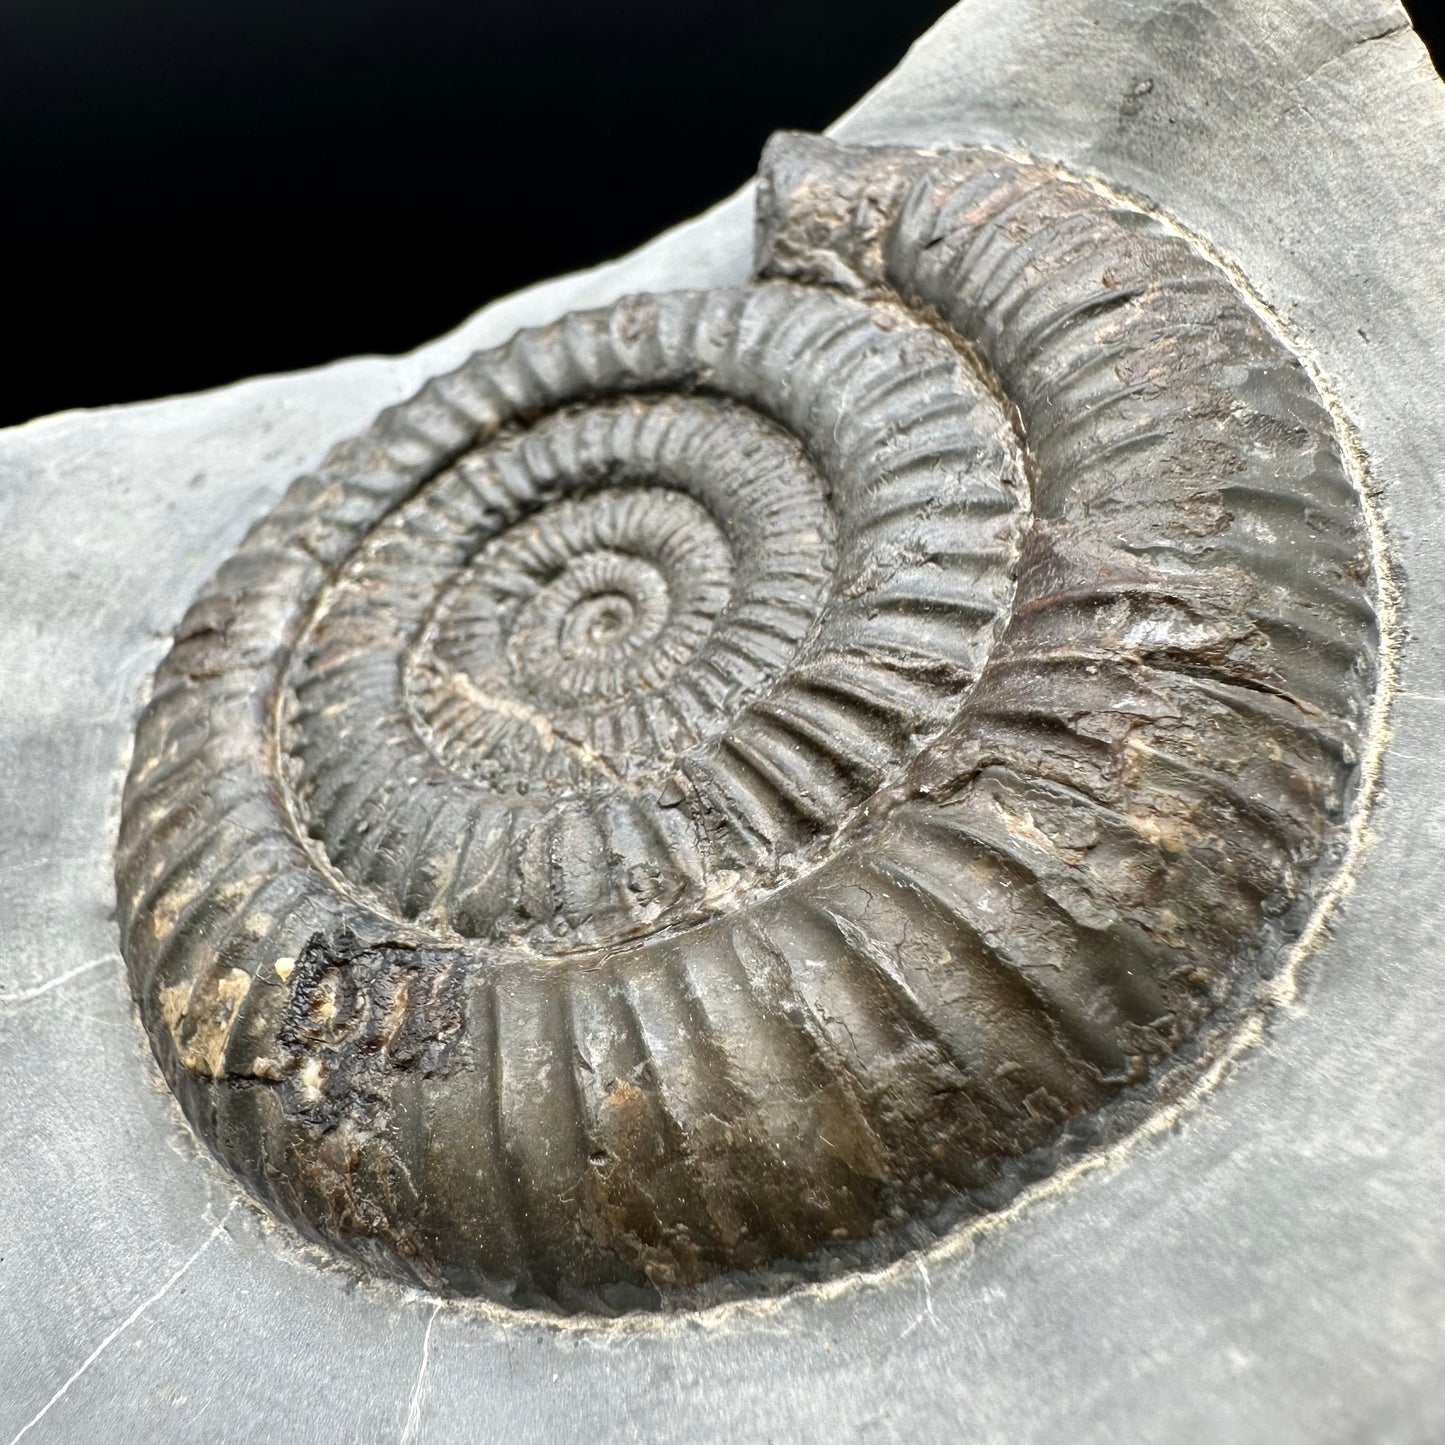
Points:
719	787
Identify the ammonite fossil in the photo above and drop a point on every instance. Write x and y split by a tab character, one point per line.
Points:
719	787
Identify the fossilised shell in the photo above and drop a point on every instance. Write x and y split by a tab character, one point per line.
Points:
721	786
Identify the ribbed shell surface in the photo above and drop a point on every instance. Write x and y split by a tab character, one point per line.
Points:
720	787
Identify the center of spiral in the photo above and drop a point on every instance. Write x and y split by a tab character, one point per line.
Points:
571	626
576	641
597	623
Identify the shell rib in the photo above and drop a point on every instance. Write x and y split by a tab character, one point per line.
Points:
720	787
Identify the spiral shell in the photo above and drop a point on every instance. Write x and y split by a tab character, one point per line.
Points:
721	786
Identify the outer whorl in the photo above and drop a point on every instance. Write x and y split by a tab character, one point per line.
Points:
719	787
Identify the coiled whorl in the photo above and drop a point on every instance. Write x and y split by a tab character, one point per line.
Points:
719	787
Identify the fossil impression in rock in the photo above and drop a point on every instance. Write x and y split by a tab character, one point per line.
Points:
721	787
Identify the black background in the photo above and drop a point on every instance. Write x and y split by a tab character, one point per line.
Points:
198	190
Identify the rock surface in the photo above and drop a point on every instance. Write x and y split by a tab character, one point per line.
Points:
1273	1268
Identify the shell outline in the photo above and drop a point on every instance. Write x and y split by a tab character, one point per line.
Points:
1213	672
